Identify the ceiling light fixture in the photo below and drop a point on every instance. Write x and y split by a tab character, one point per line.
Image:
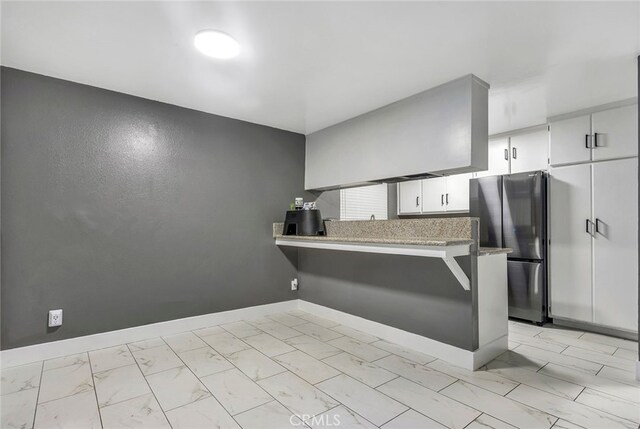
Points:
216	44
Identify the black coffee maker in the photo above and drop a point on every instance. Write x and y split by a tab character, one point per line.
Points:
303	222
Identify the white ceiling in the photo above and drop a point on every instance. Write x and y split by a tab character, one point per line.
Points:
307	65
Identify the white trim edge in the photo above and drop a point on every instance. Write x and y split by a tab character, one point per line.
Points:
638	370
53	349
470	360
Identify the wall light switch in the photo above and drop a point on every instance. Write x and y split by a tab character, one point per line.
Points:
294	284
55	318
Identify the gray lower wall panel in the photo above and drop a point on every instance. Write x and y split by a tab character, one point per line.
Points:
419	295
124	211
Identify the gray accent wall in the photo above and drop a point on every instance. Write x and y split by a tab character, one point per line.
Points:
415	294
124	211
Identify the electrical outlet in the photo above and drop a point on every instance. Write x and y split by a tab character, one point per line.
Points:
294	284
55	318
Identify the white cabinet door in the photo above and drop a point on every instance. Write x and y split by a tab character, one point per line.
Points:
433	195
570	248
457	196
529	152
615	253
409	195
570	140
498	158
615	133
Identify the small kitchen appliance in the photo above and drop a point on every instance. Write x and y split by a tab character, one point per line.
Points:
303	222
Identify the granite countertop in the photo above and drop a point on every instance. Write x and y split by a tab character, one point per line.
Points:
494	250
418	241
417	232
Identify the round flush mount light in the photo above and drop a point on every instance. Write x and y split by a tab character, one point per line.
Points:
216	44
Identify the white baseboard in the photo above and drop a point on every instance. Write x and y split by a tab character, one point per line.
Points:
54	349
451	354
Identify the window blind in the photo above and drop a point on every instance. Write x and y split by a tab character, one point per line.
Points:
361	203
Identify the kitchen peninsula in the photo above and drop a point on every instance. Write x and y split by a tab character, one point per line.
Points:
423	283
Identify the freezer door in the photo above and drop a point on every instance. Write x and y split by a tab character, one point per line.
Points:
485	202
523	214
527	293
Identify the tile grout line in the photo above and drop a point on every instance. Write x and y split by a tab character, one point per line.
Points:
517	384
602	366
404	412
124	400
242	372
95	392
35	411
326	411
597	411
511	399
452	399
569	356
65	396
287	370
578	395
592	387
337	375
147	381
200	381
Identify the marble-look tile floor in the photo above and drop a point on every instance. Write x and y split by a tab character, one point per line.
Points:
299	370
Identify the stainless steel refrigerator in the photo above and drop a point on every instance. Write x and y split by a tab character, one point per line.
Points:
512	212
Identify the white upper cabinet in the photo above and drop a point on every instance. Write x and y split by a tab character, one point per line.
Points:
615	133
600	136
615	243
436	195
529	152
498	158
409	197
570	140
570	230
433	195
520	152
441	130
457	195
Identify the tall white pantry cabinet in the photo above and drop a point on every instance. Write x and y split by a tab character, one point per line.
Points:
593	212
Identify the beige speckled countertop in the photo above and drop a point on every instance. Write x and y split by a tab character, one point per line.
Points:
419	232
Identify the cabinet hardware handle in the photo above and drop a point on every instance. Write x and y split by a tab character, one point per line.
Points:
586	228
506	154
587	141
595	140
417	201
442	199
598	225
447	199
515	153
